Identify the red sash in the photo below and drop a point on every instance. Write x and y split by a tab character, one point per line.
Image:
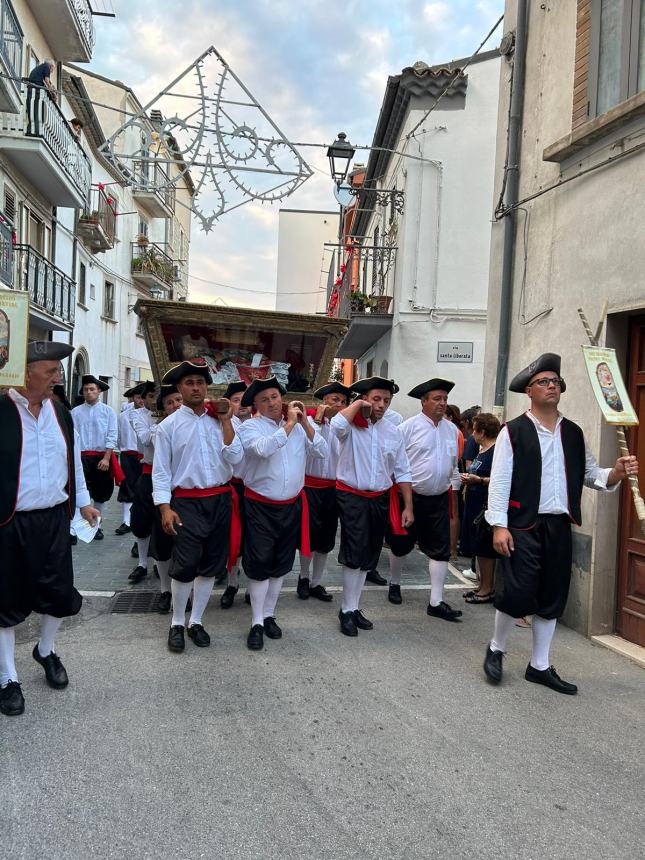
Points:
394	512
235	534
319	483
305	547
239	481
136	454
116	471
146	469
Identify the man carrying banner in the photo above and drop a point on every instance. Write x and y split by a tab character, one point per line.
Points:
540	466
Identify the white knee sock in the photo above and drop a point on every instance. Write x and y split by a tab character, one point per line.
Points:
353	582
543	630
271	599
142	546
319	560
305	564
7	655
180	595
503	625
396	569
202	588
233	575
125	512
258	593
438	572
99	507
48	629
163	568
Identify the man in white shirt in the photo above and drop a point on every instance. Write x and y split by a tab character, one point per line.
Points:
431	443
234	393
320	488
97	427
142	515
275	451
42	483
540	465
194	457
129	456
371	452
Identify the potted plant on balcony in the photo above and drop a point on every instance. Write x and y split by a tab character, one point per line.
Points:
359	303
142	240
89	217
381	304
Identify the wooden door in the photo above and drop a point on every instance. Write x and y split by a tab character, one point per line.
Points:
630	621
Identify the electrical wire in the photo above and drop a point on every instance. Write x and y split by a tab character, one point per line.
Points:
249	290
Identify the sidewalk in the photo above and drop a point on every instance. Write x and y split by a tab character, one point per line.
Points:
391	745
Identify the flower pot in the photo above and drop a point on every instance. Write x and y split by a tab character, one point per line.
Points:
381	304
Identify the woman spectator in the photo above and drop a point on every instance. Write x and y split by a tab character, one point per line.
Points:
456	499
486	428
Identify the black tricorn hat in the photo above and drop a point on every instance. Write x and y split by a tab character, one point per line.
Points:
194	367
259	385
136	389
59	392
47	350
434	384
88	379
164	391
362	386
333	388
547	361
147	387
234	388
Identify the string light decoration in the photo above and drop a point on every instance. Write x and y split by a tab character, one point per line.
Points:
207	123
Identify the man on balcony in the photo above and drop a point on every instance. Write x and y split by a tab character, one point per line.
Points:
41	76
97	427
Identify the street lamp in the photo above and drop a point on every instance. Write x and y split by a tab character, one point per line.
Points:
340	155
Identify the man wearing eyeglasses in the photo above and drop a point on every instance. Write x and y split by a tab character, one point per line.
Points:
540	466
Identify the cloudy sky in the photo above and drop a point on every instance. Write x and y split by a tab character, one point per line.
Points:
316	67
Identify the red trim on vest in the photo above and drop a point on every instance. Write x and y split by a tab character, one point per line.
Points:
319	483
238	481
235	533
394	511
305	547
513	504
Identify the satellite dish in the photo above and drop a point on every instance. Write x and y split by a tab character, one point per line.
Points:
343	194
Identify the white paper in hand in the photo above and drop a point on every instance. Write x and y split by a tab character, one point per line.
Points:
83	530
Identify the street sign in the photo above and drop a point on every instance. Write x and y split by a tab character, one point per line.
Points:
455	351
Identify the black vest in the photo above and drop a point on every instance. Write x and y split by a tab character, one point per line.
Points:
526	483
11	451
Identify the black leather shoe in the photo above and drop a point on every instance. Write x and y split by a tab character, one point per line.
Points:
320	593
255	639
271	628
247	599
199	636
12	702
347	623
226	600
444	611
138	574
550	678
394	594
54	669
493	665
99	535
303	588
361	621
122	530
375	578
73	540
163	604
176	641
134	552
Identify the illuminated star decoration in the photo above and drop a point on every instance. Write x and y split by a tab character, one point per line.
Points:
207	123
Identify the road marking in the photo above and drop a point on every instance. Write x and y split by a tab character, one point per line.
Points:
97	593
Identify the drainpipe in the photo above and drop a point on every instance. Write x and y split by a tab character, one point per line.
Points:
513	141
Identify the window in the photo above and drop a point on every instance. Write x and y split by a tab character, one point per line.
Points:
108	300
128	377
92	292
369	368
10	205
82	280
617	57
143	227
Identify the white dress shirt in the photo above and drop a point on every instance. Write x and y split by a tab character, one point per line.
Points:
143	423
369	456
190	453
43	460
274	461
96	426
395	417
238	470
326	468
127	436
553	487
432	450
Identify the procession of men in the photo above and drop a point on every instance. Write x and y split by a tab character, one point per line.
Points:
211	486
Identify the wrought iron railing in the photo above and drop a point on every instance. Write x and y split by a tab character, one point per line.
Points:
366	285
152	178
49	289
83	13
6	255
101	211
10	41
151	259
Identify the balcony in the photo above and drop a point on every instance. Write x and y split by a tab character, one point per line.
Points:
40	144
96	226
10	58
152	269
68	27
152	189
364	296
6	255
51	291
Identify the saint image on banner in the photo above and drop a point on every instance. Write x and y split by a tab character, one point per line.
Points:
608	386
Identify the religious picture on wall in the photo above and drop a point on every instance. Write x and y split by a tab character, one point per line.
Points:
608	386
14	328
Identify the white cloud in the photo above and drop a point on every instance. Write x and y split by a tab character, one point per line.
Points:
437	15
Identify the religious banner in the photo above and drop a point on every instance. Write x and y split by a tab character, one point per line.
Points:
608	386
14	329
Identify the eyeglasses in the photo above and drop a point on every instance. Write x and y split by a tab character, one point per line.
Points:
545	381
